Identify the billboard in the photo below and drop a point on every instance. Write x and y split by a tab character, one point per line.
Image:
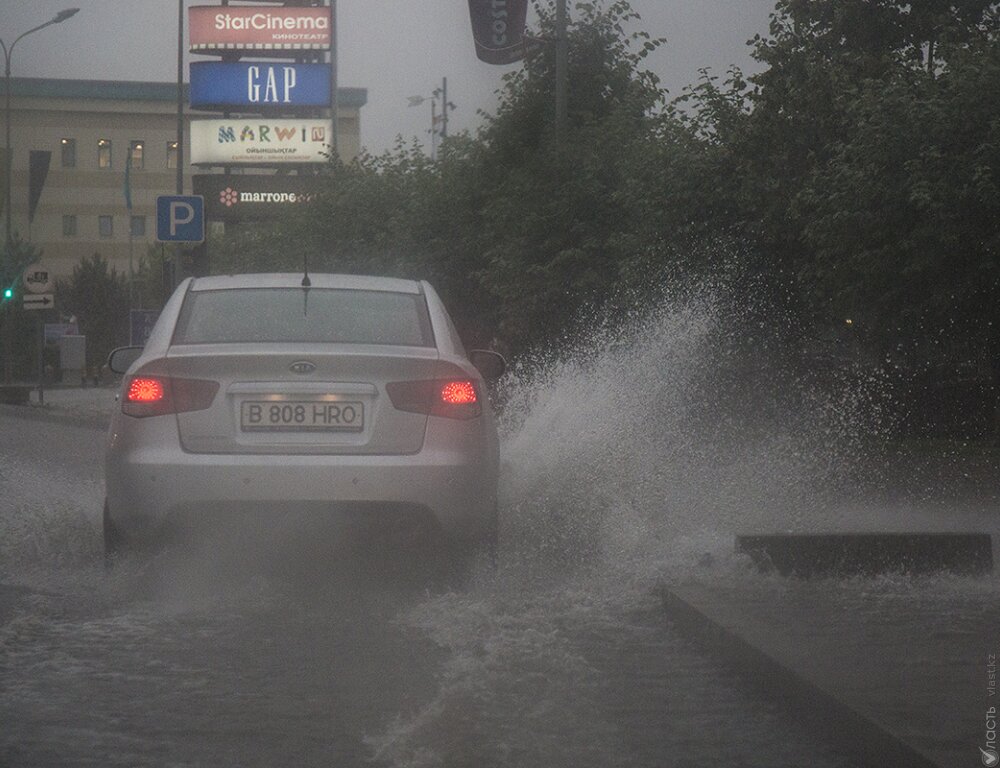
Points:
233	198
216	84
498	29
224	28
259	141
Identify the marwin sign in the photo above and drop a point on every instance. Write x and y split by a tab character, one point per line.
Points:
259	142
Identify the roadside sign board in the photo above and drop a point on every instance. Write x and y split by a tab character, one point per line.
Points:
253	197
37	278
180	218
260	141
39	300
55	331
72	352
215	29
141	322
222	84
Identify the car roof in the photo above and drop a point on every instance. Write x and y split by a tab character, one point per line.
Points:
317	280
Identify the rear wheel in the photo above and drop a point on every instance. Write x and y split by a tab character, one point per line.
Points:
115	543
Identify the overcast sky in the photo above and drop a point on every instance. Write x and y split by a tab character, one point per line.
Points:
394	48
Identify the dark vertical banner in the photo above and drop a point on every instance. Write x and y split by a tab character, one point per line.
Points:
498	29
38	171
4	156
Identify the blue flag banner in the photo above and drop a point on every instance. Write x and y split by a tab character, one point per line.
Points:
38	171
127	188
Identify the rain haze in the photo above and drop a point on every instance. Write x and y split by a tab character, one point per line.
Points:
394	48
731	499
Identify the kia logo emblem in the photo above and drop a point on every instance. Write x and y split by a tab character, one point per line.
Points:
302	366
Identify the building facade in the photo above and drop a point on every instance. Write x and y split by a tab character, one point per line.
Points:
91	130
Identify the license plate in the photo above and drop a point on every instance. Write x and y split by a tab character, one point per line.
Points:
296	415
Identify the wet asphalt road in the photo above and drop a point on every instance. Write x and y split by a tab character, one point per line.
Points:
216	661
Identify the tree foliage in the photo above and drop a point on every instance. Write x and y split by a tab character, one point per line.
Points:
856	172
99	298
516	230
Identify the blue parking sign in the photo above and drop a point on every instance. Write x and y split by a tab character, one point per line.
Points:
180	218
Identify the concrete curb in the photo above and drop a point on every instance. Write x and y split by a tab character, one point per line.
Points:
847	554
865	739
58	415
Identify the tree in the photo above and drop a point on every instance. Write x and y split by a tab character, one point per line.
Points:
16	325
98	296
516	231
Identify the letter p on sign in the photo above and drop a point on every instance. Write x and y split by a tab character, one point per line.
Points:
180	218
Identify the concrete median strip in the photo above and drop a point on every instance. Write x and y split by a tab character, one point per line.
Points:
848	554
770	660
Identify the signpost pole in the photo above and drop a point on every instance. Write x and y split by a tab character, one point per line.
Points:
41	359
180	131
334	105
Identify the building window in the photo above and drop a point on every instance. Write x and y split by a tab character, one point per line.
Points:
68	153
135	154
137	225
69	226
104	153
171	154
105	227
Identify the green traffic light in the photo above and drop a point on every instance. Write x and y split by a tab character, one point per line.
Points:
8	293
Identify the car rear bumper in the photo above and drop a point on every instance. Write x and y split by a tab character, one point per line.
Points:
154	483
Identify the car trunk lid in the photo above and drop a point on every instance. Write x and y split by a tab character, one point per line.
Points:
317	399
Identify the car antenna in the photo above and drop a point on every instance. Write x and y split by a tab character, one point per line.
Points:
306	284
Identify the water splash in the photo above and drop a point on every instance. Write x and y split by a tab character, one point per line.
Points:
685	423
631	453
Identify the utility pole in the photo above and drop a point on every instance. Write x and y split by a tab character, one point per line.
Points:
562	66
334	93
444	108
175	262
8	270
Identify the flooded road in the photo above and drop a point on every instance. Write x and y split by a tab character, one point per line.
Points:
184	662
628	460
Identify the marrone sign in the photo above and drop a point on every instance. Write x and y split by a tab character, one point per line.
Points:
253	197
224	28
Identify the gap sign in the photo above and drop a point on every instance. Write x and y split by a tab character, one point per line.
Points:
259	84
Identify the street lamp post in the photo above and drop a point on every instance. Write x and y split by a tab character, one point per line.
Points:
446	107
8	266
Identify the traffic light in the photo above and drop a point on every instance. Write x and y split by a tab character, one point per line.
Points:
8	293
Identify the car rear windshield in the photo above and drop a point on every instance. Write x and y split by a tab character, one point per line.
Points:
295	315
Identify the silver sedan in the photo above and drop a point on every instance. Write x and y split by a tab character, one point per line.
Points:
260	396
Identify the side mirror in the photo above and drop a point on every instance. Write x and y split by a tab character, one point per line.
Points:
490	364
121	359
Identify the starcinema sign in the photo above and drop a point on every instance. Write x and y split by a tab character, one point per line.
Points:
222	28
259	141
247	197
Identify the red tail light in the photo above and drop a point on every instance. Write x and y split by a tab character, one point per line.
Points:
158	395
145	390
451	398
